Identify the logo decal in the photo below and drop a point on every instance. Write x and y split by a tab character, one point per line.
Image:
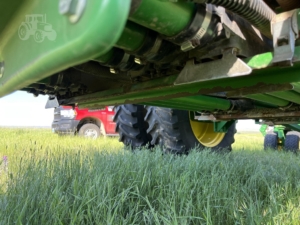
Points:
36	25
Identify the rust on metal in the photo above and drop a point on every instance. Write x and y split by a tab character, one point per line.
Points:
261	113
260	88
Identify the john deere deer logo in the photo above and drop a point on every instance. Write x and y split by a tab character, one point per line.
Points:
36	25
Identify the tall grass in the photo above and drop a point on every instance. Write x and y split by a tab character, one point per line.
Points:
69	180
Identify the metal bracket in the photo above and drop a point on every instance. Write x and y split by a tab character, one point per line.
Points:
222	126
227	23
198	117
52	102
285	31
227	67
219	126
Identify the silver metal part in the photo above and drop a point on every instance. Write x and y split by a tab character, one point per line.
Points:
114	71
205	118
285	31
227	67
138	61
227	23
52	102
195	41
1	69
72	8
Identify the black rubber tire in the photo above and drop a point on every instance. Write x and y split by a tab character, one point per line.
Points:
89	126
291	142
171	130
131	126
39	36
271	141
24	32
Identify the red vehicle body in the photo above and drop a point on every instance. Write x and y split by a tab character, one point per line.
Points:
84	122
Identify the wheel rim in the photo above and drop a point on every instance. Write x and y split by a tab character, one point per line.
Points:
205	134
91	133
23	32
39	37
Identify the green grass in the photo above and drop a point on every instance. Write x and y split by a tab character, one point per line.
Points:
69	180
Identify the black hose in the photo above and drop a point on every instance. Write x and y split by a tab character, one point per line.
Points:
257	12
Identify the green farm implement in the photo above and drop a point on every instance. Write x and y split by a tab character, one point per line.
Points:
180	72
281	137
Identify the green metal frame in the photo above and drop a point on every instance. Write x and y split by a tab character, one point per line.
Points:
93	38
223	126
27	62
163	88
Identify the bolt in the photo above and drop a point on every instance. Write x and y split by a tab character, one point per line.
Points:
1	69
114	71
65	7
138	61
72	8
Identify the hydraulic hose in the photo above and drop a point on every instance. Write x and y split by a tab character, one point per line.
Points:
257	12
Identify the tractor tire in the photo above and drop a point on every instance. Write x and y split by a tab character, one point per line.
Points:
173	131
291	142
23	32
89	130
131	126
39	36
271	141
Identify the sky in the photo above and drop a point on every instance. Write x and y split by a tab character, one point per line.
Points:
24	110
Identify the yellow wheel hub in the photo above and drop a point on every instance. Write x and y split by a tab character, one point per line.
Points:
205	134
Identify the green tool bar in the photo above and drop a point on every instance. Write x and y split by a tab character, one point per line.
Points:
164	17
294	127
268	99
132	37
181	105
174	106
291	96
202	102
163	88
194	103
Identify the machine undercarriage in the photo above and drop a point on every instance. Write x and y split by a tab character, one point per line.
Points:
218	60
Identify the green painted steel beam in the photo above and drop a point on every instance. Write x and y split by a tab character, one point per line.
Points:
165	17
175	106
204	102
293	127
28	61
195	103
268	99
164	88
291	96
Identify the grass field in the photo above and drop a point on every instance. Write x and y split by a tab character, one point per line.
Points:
48	179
